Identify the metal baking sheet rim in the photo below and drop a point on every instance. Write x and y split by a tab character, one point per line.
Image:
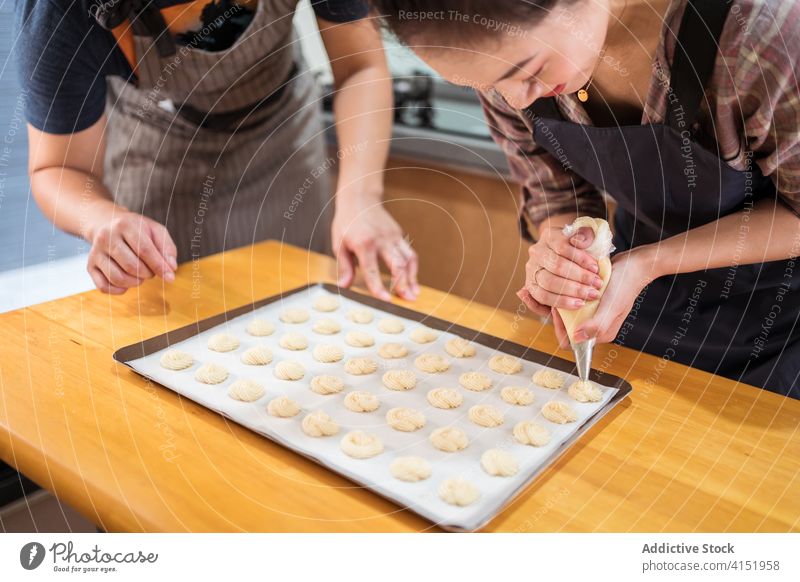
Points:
157	343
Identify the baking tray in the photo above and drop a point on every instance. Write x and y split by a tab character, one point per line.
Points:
131	353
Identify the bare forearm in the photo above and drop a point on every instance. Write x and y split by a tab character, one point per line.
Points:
74	200
363	112
768	232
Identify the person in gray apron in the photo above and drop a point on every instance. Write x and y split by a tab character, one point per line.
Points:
214	139
704	303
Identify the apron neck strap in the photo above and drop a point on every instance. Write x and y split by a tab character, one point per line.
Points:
145	20
693	61
546	108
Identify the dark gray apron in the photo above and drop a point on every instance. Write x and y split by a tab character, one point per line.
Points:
738	322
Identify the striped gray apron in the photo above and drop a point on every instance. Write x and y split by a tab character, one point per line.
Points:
215	188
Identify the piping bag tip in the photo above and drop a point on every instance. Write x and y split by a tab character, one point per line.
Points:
583	357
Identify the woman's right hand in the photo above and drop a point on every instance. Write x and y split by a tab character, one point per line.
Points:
559	273
127	249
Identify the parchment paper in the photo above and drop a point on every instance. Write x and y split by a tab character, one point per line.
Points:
421	497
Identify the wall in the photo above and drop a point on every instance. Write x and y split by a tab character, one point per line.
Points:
464	228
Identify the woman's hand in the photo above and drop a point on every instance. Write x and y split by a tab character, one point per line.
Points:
559	273
631	271
363	231
128	248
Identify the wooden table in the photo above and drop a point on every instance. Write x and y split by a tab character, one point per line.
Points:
687	452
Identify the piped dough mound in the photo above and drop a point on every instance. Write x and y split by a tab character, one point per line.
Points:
211	374
405	419
319	424
257	356
360	315
475	381
294	315
432	363
361	445
326	326
548	378
458	491
485	415
360	401
222	342
505	364
460	348
327	384
449	439
399	380
559	412
176	360
499	463
328	353
410	468
283	407
293	341
531	433
260	328
360	366
517	395
391	325
289	370
246	390
359	339
326	303
445	398
585	391
392	351
423	335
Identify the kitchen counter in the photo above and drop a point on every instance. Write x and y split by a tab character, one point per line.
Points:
687	452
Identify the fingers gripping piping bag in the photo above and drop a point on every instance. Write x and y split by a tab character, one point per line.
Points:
600	249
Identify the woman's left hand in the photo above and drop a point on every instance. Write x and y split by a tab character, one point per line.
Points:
364	233
631	271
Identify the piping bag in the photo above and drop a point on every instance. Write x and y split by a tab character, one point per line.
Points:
601	249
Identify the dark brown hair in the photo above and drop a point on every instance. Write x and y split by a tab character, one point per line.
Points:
458	21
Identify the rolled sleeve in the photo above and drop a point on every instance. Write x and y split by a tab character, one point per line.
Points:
764	96
548	185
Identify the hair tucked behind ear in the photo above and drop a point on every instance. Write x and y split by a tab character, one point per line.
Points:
435	22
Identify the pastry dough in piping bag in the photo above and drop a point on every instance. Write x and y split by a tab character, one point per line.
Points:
600	249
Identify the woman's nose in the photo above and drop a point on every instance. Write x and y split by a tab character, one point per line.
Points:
522	96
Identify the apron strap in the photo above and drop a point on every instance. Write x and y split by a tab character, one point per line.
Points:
696	51
145	20
124	37
545	107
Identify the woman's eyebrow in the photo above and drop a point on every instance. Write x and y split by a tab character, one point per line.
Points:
517	67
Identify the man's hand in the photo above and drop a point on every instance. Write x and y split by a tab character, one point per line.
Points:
364	232
127	249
